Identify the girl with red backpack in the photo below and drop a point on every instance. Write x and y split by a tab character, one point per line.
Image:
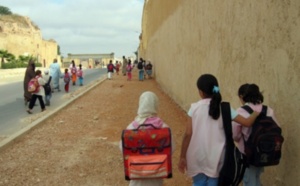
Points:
38	94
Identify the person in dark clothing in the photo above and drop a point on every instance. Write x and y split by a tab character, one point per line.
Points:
29	74
110	69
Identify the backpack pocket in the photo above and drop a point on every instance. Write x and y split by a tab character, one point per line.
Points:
268	150
148	166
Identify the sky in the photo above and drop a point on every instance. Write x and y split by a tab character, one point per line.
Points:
85	26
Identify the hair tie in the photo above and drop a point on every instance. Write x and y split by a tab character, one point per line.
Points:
216	89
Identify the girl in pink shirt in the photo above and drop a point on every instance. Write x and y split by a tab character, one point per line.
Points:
249	94
129	69
203	145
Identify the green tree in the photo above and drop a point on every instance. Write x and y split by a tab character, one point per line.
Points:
5	11
5	55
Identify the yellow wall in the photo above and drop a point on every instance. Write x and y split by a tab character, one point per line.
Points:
239	42
24	37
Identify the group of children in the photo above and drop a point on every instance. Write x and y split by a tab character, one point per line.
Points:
142	67
203	145
45	85
72	76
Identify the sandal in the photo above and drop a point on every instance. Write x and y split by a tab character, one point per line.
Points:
43	110
29	112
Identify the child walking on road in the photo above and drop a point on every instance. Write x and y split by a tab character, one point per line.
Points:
203	145
129	69
80	75
47	87
73	71
38	94
67	79
110	69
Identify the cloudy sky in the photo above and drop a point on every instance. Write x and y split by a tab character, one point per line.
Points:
85	26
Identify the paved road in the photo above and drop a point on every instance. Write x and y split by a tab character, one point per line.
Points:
13	110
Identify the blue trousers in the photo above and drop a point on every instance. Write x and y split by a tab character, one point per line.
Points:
141	75
252	176
203	180
80	79
47	98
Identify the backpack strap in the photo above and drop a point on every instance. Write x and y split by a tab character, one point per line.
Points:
250	110
264	110
49	80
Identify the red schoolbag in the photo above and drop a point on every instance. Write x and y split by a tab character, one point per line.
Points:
67	78
110	67
79	73
147	153
33	85
128	68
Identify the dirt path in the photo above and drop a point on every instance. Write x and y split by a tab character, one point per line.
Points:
79	145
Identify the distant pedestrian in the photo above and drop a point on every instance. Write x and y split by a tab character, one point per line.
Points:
149	69
47	87
129	69
144	65
73	71
39	94
67	79
80	75
110	69
125	62
55	73
117	67
140	67
29	74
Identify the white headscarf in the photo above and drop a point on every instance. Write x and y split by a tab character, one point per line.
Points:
148	105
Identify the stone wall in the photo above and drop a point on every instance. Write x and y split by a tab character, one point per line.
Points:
20	36
239	42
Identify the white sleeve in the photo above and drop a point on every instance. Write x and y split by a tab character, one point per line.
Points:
41	81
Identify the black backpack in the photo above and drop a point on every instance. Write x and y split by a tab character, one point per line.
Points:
149	67
263	147
47	86
235	162
140	65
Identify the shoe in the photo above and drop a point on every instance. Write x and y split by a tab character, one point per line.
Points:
43	109
29	112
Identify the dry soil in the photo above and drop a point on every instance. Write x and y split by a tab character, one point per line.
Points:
79	144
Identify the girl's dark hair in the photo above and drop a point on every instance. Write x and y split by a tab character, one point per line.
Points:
38	72
66	70
208	84
250	93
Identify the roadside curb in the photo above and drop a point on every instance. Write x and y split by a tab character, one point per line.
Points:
14	137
